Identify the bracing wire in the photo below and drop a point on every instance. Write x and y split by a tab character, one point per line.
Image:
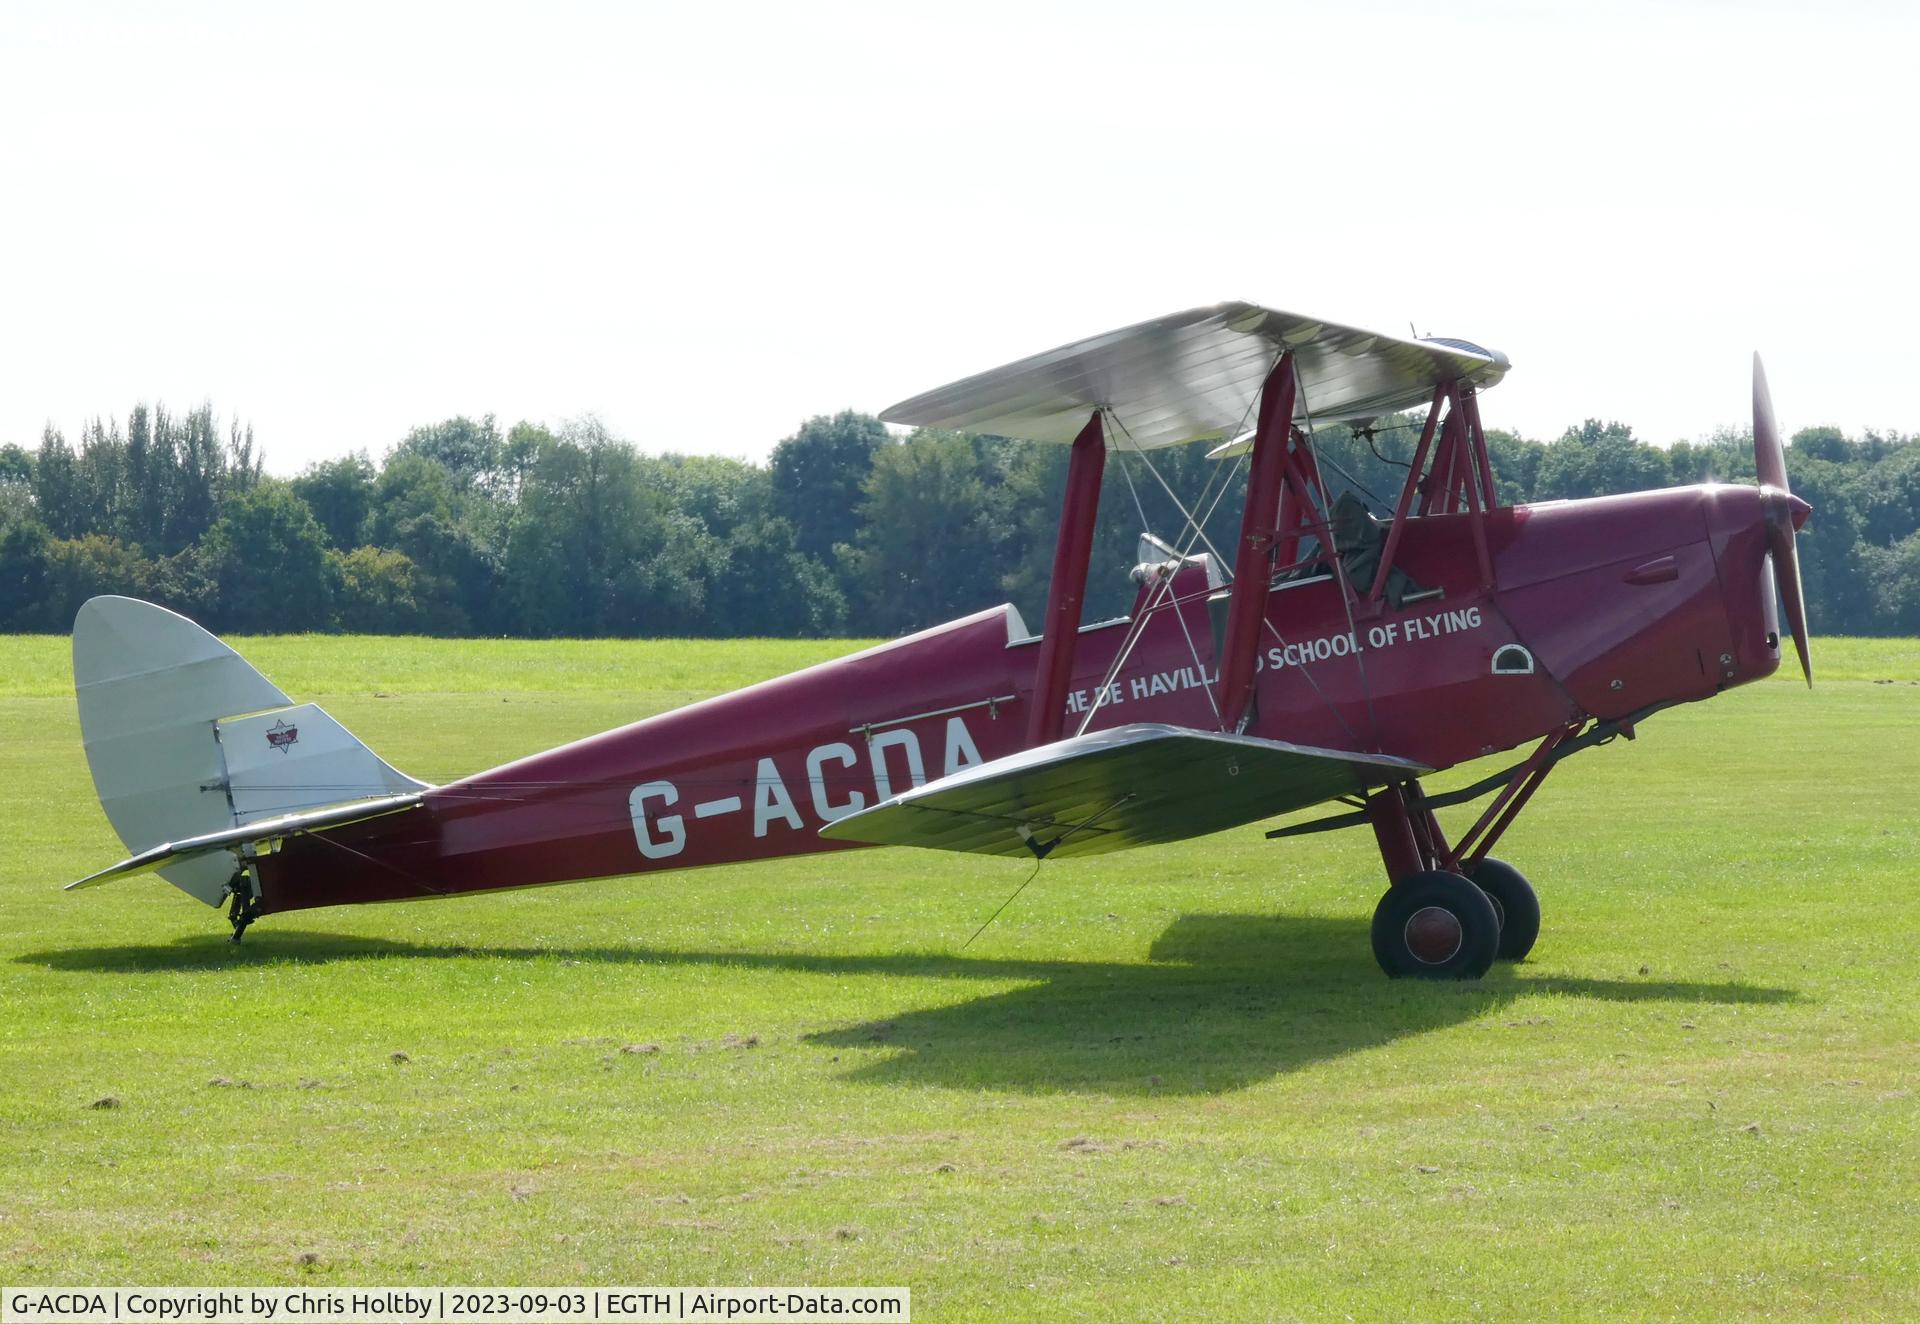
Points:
1040	857
1355	482
1004	904
1195	528
1178	505
1137	627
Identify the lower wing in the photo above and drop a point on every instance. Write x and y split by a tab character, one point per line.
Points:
1110	790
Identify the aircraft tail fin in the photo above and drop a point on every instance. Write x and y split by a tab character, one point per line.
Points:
187	741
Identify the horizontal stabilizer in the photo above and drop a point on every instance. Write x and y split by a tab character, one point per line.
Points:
288	760
1110	790
261	835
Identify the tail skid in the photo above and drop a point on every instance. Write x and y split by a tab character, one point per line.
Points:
199	760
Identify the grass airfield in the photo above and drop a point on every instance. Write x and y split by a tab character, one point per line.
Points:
1162	1085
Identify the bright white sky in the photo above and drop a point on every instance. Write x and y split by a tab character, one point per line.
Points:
705	222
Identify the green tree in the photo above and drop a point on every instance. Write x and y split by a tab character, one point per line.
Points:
16	467
16	486
1516	464
57	493
1839	598
269	557
593	550
723	494
469	451
85	567
819	477
1821	443
1889	495
924	550
109	497
185	582
23	578
383	592
1725	457
418	510
340	493
517	454
760	584
1893	576
1596	459
205	473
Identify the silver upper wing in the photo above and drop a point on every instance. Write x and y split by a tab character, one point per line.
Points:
1195	375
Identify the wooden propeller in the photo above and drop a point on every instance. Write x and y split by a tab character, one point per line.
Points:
1785	514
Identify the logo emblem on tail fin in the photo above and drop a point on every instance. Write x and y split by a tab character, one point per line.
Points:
280	736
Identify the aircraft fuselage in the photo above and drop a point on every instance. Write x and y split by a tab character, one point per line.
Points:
1597	608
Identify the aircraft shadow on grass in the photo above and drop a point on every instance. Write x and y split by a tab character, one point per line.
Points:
1222	1002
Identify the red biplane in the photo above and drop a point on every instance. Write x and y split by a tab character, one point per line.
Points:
1330	656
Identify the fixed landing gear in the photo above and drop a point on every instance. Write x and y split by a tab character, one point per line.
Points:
1429	924
1435	925
1450	914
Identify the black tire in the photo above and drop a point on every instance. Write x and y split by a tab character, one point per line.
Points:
1435	926
1517	903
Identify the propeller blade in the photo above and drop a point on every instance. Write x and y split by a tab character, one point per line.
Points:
1786	574
1768	454
1770	462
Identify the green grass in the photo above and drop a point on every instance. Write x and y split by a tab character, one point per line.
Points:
1168	1084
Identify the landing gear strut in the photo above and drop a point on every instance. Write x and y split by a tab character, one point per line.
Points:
245	906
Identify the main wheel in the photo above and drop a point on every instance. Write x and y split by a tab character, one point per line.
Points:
1519	908
1435	926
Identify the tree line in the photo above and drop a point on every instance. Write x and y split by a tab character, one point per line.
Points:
462	528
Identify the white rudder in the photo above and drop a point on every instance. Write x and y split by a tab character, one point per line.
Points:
185	739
